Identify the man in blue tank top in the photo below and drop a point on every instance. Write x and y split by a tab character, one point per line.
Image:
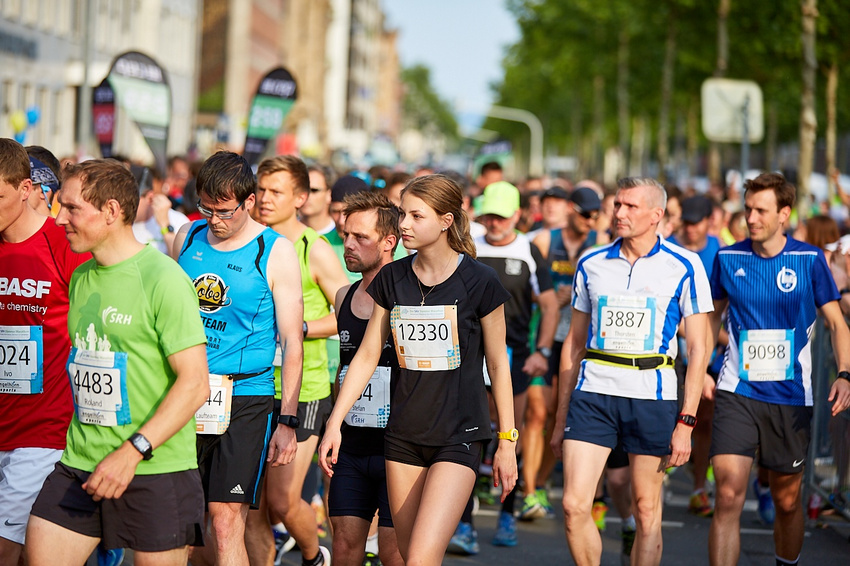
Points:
773	286
247	291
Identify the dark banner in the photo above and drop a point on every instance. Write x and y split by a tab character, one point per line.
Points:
273	101
103	115
141	89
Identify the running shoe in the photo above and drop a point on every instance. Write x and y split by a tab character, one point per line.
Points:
371	560
598	512
326	555
628	537
543	498
111	557
506	531
700	505
283	543
767	513
531	508
464	541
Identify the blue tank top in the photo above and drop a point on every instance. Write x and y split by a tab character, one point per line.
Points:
236	307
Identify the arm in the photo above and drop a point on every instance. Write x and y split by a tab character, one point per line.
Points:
537	364
191	389
696	330
340	296
161	205
542	241
571	356
177	244
285	284
359	372
327	271
839	393
504	462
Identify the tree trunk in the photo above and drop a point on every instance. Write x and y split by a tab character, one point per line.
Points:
770	161
638	141
693	137
719	71
666	94
597	134
808	118
623	95
831	89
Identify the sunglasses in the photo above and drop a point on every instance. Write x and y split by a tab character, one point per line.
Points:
226	215
590	214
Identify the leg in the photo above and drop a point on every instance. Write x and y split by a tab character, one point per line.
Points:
731	472
284	498
404	486
583	465
388	545
10	552
349	541
788	529
228	528
619	483
702	442
175	557
647	476
259	540
48	544
435	521
535	422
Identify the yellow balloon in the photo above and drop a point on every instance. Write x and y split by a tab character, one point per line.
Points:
18	121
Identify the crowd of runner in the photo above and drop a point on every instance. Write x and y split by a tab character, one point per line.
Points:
172	384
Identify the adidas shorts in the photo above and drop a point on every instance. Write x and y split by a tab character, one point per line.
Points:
232	464
157	512
22	472
313	416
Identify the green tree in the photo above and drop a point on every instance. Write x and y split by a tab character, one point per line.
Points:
423	109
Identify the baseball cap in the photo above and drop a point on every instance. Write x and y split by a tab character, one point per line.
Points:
347	185
555	192
41	174
500	198
695	209
585	199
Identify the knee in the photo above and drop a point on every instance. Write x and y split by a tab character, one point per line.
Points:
787	504
728	497
574	509
227	523
535	416
346	546
647	514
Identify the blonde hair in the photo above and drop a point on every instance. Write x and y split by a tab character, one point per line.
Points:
446	197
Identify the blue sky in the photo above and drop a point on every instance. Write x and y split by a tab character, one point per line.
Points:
461	41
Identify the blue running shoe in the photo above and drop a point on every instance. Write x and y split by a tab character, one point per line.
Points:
506	531
113	557
464	541
767	513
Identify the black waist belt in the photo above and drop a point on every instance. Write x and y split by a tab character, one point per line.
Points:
241	376
641	361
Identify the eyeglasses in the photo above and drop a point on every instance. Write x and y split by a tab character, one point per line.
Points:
225	215
590	214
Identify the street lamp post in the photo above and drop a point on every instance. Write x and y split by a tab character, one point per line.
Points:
535	162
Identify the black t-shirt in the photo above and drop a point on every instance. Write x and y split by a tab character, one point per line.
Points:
524	273
361	440
440	408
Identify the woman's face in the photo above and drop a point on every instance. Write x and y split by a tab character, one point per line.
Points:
419	223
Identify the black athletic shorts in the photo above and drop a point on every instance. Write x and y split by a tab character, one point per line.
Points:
359	488
313	416
156	513
618	458
554	362
780	432
232	464
466	454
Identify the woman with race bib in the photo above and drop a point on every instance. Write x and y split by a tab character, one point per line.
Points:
445	310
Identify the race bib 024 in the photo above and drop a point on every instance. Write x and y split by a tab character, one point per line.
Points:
426	338
21	360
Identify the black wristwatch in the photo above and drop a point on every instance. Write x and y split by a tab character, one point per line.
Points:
143	445
687	420
289	420
844	375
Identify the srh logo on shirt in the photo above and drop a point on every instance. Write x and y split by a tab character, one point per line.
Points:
786	280
24	288
212	292
111	315
344	335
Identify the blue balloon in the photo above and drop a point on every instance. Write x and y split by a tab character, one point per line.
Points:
20	137
33	114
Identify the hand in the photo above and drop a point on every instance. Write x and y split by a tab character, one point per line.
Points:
839	395
330	443
282	446
161	204
535	365
556	443
564	294
708	387
680	445
504	467
114	473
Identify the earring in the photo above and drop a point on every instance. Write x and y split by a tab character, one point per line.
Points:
444	229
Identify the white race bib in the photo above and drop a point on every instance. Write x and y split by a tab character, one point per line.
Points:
21	360
99	384
426	337
214	416
766	355
626	323
372	408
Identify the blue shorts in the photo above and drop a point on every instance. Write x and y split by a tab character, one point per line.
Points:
642	426
359	488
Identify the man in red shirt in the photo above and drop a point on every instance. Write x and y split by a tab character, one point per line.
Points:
35	398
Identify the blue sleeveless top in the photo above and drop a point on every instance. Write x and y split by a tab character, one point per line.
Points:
236	307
